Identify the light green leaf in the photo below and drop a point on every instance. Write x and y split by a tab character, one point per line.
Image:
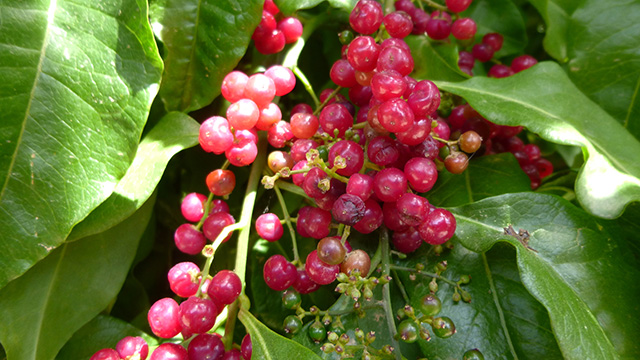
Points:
204	40
545	101
288	7
434	61
173	133
268	345
42	309
501	16
102	332
584	277
77	84
556	14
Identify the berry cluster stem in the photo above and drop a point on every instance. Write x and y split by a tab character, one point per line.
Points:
287	220
386	292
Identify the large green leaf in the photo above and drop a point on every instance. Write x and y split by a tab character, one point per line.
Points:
584	277
556	14
174	132
501	16
604	57
503	320
434	61
268	345
42	309
485	176
102	332
77	83
203	40
545	101
288	7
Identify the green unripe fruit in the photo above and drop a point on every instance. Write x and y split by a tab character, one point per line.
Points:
291	299
430	305
473	354
443	327
292	324
317	332
408	331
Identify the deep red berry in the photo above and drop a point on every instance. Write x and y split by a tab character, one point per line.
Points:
438	227
458	5
482	52
413	209
169	351
268	226
523	62
389	184
278	273
221	182
197	315
343	74
246	348
291	28
494	40
500	71
304	284
242	152
406	241
366	17
206	346
348	209
164	318
183	279
372	218
132	348
464	29
106	354
192	206
189	240
214	224
351	153
398	24
225	286
319	271
313	222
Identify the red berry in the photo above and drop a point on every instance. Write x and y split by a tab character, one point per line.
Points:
221	182
225	287
164	318
268	226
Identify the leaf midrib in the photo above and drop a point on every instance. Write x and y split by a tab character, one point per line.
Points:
50	16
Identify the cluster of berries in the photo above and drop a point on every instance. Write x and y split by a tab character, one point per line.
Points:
274	32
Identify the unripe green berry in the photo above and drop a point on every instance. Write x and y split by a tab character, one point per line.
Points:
408	331
291	299
292	324
430	305
473	354
433	286
464	279
443	327
317	331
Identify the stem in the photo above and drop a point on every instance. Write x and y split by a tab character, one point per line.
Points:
434	275
207	205
396	279
435	5
307	85
287	220
386	294
289	187
230	326
326	101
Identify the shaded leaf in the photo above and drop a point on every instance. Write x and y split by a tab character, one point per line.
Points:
573	271
102	332
268	345
604	57
486	176
545	101
204	40
173	133
75	97
434	61
503	320
43	308
499	16
556	14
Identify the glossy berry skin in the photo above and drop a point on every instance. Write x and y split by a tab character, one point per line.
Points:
438	227
470	141
473	354
242	152
372	218
106	354
278	273
189	240
360	185
398	24
221	182
164	318
319	271
392	218
268	226
363	53
192	206
494	40
304	125
366	17
395	115
500	71
304	284
482	52
408	331
421	173
430	305
457	6
348	209
456	163
169	351
206	347
335	117
343	74
464	29
214	224
395	58
292	324
386	85
279	133
349	151
243	114
291	28
183	279
313	222
130	347
215	135
389	184
331	251
233	354
233	85
443	327
406	241
246	348
438	29
198	315
522	62
382	150
225	286
356	260
413	209
260	89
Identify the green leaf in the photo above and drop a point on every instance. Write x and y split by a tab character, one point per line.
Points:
584	277
604	57
503	320
43	308
556	14
268	345
545	101
203	40
288	7
486	176
75	97
499	16
434	61
102	332
173	133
